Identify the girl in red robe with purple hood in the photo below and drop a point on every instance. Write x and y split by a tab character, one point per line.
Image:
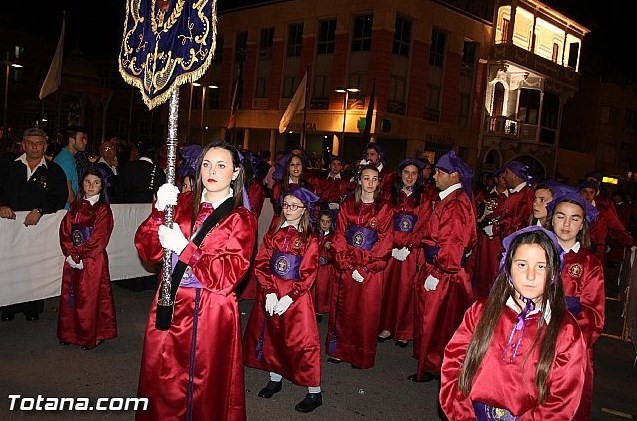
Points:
86	314
282	335
518	355
194	370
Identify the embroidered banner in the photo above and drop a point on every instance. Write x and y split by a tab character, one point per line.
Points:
166	43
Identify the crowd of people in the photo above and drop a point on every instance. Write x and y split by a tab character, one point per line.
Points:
499	287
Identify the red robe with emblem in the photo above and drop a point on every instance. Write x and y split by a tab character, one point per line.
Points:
508	382
322	288
438	313
355	307
397	307
194	370
583	277
488	250
288	344
87	310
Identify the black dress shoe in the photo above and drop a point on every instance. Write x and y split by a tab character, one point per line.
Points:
402	344
427	377
332	360
87	348
270	389
64	343
310	403
7	315
32	316
380	339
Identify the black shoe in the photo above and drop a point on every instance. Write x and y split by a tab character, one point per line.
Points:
332	360
7	315
64	343
402	344
270	389
380	339
310	403
87	348
319	318
427	377
30	316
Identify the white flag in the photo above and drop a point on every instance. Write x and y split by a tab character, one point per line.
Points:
297	103
54	76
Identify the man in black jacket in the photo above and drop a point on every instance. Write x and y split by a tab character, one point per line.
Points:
34	184
138	181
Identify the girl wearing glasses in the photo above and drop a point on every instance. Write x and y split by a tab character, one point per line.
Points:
282	335
518	354
362	245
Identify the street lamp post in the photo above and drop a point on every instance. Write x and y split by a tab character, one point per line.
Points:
345	91
9	64
203	104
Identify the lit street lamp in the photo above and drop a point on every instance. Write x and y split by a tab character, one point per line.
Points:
9	64
345	91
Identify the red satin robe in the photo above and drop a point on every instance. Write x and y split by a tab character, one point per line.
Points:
505	382
438	313
87	310
325	277
608	226
488	251
256	195
355	306
514	214
334	190
288	344
397	307
583	277
195	368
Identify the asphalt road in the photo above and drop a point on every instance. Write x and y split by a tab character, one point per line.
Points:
32	363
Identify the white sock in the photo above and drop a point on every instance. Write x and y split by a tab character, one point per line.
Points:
314	389
274	377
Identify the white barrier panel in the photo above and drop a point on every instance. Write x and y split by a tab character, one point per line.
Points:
31	259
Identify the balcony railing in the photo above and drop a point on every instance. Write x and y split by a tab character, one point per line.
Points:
504	126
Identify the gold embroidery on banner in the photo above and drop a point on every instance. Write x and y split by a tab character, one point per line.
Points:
152	71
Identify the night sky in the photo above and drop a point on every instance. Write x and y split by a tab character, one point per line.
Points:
96	26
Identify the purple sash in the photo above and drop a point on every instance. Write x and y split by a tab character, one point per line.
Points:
430	253
361	237
404	222
485	412
80	234
188	280
285	265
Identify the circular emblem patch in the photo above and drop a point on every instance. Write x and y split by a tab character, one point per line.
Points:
77	238
373	222
406	225
282	265
575	270
358	238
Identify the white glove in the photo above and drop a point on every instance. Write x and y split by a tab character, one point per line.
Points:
357	276
270	303
488	230
333	206
166	195
400	254
74	265
172	238
282	305
431	283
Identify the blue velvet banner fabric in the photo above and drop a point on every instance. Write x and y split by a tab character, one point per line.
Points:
166	43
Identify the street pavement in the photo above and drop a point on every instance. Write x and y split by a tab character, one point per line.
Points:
32	363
